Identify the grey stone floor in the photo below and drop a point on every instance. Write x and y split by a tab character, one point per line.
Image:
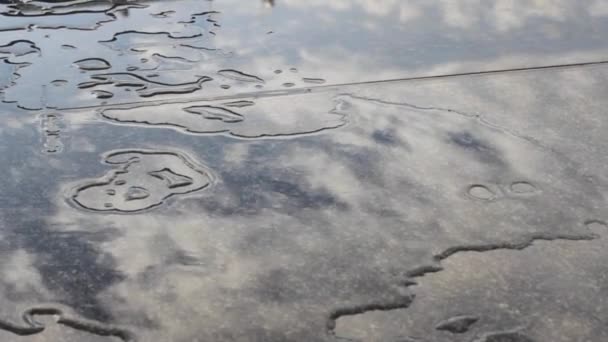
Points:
290	170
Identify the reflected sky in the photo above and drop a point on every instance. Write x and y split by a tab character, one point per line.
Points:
207	178
161	49
292	230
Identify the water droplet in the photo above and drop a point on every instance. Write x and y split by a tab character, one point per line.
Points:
481	192
278	71
102	94
120	182
458	324
111	192
294	70
53	144
288	85
239	76
90	64
225	86
313	80
59	83
51	124
523	188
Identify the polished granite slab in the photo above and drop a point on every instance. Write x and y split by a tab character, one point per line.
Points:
303	171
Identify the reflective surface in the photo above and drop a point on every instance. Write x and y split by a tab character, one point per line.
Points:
127	52
245	171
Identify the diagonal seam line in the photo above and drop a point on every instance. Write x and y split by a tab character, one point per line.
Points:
303	90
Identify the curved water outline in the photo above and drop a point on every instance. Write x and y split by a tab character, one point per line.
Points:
226	132
65	318
108	177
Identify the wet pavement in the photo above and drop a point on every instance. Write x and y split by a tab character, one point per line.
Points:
352	170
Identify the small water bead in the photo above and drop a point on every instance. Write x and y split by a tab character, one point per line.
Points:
313	80
523	188
90	64
59	83
481	192
239	76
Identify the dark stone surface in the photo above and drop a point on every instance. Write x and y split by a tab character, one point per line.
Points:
303	171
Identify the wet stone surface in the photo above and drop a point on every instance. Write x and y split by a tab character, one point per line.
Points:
303	171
